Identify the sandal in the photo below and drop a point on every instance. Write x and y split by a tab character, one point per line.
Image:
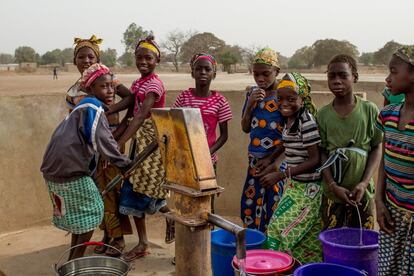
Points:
169	231
133	255
118	243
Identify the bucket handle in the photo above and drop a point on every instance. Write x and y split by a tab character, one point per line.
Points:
55	266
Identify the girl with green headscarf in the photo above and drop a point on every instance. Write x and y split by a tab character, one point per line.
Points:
295	225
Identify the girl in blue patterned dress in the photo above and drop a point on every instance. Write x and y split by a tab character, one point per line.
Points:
262	119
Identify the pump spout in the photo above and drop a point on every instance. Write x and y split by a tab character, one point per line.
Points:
238	231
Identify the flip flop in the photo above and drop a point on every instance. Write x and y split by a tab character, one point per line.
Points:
132	255
112	252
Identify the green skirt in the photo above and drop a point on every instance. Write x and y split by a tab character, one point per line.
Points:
77	205
295	225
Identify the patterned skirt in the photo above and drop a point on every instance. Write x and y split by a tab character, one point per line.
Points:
258	203
295	224
396	251
77	205
149	176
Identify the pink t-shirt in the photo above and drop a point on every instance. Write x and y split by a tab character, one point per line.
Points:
214	109
149	84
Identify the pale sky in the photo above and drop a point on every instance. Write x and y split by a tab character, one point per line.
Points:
282	25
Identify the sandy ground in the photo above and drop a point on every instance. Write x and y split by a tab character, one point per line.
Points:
35	250
32	84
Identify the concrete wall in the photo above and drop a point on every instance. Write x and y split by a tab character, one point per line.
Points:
26	125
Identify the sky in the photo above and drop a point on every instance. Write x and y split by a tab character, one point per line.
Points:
282	25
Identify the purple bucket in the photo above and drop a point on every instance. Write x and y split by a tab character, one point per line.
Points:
319	269
341	246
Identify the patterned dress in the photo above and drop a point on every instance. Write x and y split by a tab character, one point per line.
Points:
258	203
396	255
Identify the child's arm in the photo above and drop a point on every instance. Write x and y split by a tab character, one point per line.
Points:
374	157
340	192
222	139
122	91
123	125
265	164
267	179
384	218
256	96
122	105
138	118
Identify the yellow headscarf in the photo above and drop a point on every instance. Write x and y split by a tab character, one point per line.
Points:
92	43
267	56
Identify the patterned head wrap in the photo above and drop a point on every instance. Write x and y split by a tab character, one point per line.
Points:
92	73
406	53
208	57
92	43
150	44
301	86
267	56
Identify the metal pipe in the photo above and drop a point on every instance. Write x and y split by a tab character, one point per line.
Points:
238	231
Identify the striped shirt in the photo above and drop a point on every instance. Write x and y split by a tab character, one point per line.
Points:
148	84
296	144
398	158
214	109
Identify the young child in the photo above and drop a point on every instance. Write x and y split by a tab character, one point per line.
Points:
85	54
353	145
213	106
145	194
295	224
78	207
395	195
262	119
114	224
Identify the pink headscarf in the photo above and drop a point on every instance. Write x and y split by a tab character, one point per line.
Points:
92	73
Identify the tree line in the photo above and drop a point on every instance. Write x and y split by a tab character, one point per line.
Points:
179	46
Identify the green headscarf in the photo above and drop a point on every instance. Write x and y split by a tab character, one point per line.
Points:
406	53
300	85
267	56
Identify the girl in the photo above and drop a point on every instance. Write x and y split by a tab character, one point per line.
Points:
295	224
353	144
85	54
395	195
145	193
78	207
213	106
262	119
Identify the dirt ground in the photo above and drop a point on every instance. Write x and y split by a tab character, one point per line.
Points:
13	84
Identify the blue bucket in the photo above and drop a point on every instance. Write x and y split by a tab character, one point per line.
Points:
325	269
223	249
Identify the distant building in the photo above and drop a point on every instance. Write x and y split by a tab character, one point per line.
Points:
9	67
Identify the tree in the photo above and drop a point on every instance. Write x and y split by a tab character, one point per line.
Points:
51	57
326	49
25	54
6	58
366	58
173	44
66	56
132	35
127	59
248	56
302	58
108	57
383	55
229	55
201	42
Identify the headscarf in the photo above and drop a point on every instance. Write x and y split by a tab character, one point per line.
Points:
406	53
92	43
301	86
208	57
92	73
267	56
150	44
